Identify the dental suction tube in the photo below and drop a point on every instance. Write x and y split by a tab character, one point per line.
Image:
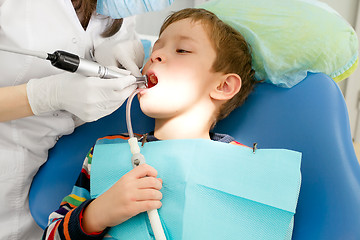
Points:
137	159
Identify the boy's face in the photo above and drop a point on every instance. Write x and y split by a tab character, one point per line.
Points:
180	65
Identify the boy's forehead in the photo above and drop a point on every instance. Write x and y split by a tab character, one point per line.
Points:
187	23
184	30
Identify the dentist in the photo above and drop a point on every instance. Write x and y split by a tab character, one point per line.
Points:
39	103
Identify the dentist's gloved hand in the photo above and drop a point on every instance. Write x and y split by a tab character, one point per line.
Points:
128	54
89	98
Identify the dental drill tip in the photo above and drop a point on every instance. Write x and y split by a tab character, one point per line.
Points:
143	79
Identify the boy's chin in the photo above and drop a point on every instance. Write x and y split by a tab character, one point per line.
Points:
153	112
151	108
148	111
151	115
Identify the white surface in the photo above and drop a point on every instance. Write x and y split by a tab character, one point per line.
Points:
150	23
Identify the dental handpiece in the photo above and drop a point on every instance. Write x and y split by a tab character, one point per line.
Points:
73	63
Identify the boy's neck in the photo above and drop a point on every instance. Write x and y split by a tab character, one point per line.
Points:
182	128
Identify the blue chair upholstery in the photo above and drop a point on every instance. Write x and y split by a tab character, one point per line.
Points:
310	117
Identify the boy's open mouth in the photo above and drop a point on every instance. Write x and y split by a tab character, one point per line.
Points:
152	80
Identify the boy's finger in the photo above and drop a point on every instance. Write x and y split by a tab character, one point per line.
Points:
148	194
144	170
144	206
149	182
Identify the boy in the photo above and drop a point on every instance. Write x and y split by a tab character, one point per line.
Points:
199	71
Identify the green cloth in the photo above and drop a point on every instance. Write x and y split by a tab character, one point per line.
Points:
292	37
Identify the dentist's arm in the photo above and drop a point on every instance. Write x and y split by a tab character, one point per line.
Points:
89	98
14	103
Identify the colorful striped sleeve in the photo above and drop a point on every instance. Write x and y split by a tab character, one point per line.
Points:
64	223
238	144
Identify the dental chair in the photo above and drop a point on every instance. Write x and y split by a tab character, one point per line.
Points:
310	118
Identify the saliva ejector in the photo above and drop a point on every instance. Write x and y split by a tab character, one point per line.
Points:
73	63
137	159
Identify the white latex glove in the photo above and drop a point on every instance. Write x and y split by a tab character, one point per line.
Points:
89	98
128	54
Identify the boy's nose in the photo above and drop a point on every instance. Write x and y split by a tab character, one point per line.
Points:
157	57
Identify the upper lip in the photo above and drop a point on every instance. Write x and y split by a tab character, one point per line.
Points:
149	73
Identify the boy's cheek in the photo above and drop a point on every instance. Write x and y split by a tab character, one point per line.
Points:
145	68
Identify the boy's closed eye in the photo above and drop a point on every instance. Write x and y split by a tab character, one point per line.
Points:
182	51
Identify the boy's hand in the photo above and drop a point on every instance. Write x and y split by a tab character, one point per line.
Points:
136	192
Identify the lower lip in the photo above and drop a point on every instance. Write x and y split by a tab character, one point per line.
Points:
142	91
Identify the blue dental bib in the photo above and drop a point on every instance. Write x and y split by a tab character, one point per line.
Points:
211	190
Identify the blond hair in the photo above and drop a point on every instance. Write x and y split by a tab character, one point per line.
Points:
233	54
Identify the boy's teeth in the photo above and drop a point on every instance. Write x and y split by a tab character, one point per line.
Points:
153	78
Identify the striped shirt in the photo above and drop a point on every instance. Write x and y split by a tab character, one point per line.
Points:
65	223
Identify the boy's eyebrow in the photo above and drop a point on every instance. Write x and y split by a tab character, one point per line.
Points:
183	37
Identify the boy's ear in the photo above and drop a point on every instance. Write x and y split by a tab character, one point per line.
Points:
228	87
